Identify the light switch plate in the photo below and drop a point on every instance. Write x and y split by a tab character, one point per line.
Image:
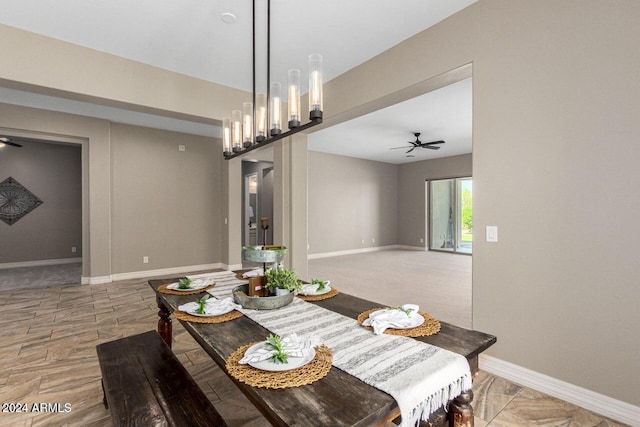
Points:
492	233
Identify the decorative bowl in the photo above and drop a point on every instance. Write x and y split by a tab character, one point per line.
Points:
260	303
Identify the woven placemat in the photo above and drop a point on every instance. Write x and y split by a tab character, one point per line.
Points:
318	368
332	293
431	325
182	315
164	290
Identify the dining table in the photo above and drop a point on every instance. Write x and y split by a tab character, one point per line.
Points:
338	399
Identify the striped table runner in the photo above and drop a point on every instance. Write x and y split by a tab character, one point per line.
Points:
420	377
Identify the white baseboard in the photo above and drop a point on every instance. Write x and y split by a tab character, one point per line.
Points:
354	251
96	280
39	263
164	271
587	399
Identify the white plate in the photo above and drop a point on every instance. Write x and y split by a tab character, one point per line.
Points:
195	285
193	313
268	365
326	290
416	320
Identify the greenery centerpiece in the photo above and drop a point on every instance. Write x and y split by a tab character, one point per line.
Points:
282	278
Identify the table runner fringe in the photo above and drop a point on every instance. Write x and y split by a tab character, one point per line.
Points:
438	400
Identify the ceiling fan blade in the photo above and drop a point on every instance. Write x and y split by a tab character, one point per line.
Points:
396	148
412	148
433	142
431	147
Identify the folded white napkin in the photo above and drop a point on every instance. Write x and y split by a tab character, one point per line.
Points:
309	289
292	344
380	320
213	307
254	273
195	284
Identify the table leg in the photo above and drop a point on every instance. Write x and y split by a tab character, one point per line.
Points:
164	322
461	411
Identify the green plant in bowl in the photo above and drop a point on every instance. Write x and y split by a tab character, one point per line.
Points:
282	278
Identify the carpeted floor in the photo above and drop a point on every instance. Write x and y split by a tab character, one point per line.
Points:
39	277
440	283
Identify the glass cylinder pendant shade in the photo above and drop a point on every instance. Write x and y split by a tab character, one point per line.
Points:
261	117
294	98
226	134
275	108
247	123
315	86
236	130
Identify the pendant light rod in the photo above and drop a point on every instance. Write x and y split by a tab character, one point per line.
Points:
232	125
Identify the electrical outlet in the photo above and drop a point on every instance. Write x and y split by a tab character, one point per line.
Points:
421	240
145	260
182	148
74	249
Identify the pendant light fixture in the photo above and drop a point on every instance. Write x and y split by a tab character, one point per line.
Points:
259	123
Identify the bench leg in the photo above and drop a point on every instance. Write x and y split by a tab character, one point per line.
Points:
104	396
461	411
164	322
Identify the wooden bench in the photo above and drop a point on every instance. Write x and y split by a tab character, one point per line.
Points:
146	385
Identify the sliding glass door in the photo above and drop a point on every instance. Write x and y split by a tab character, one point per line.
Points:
451	215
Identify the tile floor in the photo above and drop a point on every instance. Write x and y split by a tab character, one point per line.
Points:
48	356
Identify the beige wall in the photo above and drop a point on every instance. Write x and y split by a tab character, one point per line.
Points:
556	110
351	200
136	187
53	173
412	203
165	203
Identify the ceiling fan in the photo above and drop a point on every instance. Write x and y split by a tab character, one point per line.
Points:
7	141
434	145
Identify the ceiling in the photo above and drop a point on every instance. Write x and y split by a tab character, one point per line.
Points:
190	37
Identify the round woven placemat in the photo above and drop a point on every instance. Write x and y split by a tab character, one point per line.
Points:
182	315
164	290
318	368
431	325
332	293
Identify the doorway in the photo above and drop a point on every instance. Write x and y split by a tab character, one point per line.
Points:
251	209
451	215
257	202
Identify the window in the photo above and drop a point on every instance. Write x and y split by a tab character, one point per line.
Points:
451	215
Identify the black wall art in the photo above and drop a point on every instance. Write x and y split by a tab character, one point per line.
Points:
15	201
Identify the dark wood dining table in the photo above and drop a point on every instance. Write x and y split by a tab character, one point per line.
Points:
339	399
